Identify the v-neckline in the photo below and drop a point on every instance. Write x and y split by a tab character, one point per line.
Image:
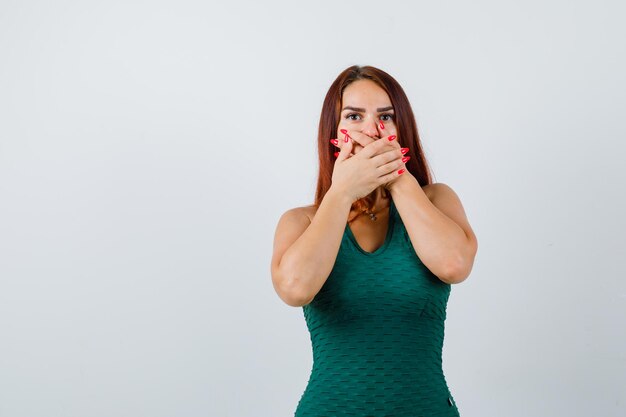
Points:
388	235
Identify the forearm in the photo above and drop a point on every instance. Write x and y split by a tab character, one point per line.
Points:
310	259
439	242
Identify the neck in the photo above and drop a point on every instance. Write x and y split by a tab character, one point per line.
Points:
380	201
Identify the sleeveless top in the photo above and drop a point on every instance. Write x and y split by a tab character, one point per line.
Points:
377	330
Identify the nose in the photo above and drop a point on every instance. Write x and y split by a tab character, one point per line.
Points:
370	128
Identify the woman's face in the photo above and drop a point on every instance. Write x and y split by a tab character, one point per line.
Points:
364	106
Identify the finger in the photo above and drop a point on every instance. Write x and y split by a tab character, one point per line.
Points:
385	159
392	139
345	134
356	147
380	146
392	175
360	138
344	152
338	142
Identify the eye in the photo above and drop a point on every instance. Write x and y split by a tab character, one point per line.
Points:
389	115
349	115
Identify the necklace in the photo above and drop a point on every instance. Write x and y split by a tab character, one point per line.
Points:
371	214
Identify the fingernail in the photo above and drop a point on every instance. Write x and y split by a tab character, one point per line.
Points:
334	142
344	131
336	153
401	171
392	137
406	158
382	126
404	150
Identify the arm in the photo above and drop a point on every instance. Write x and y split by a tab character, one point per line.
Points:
303	262
439	230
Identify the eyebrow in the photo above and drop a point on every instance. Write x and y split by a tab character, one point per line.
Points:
363	110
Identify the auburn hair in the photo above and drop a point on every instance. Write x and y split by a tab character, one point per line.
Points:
404	120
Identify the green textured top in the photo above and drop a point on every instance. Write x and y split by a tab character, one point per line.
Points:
377	330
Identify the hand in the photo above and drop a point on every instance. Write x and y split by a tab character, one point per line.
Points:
361	141
357	145
376	164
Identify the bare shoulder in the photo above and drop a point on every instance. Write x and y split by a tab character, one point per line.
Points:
448	202
299	216
442	195
429	190
291	225
308	211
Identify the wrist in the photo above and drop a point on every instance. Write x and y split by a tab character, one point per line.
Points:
338	197
400	182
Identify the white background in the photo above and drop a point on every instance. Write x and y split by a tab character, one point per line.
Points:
148	149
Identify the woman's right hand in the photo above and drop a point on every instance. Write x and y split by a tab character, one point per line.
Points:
359	174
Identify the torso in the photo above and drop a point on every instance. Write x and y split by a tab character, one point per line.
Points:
369	234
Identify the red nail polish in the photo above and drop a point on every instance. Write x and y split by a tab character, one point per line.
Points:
336	153
382	126
404	150
334	142
392	137
406	158
346	138
401	171
344	131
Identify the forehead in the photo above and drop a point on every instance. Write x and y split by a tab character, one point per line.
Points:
365	93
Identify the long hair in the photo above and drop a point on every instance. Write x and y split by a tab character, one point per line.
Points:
405	125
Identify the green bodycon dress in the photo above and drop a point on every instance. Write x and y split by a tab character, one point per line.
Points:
377	330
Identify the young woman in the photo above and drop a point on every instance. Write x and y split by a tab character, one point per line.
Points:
372	262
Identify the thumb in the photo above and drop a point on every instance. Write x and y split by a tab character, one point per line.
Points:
345	150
